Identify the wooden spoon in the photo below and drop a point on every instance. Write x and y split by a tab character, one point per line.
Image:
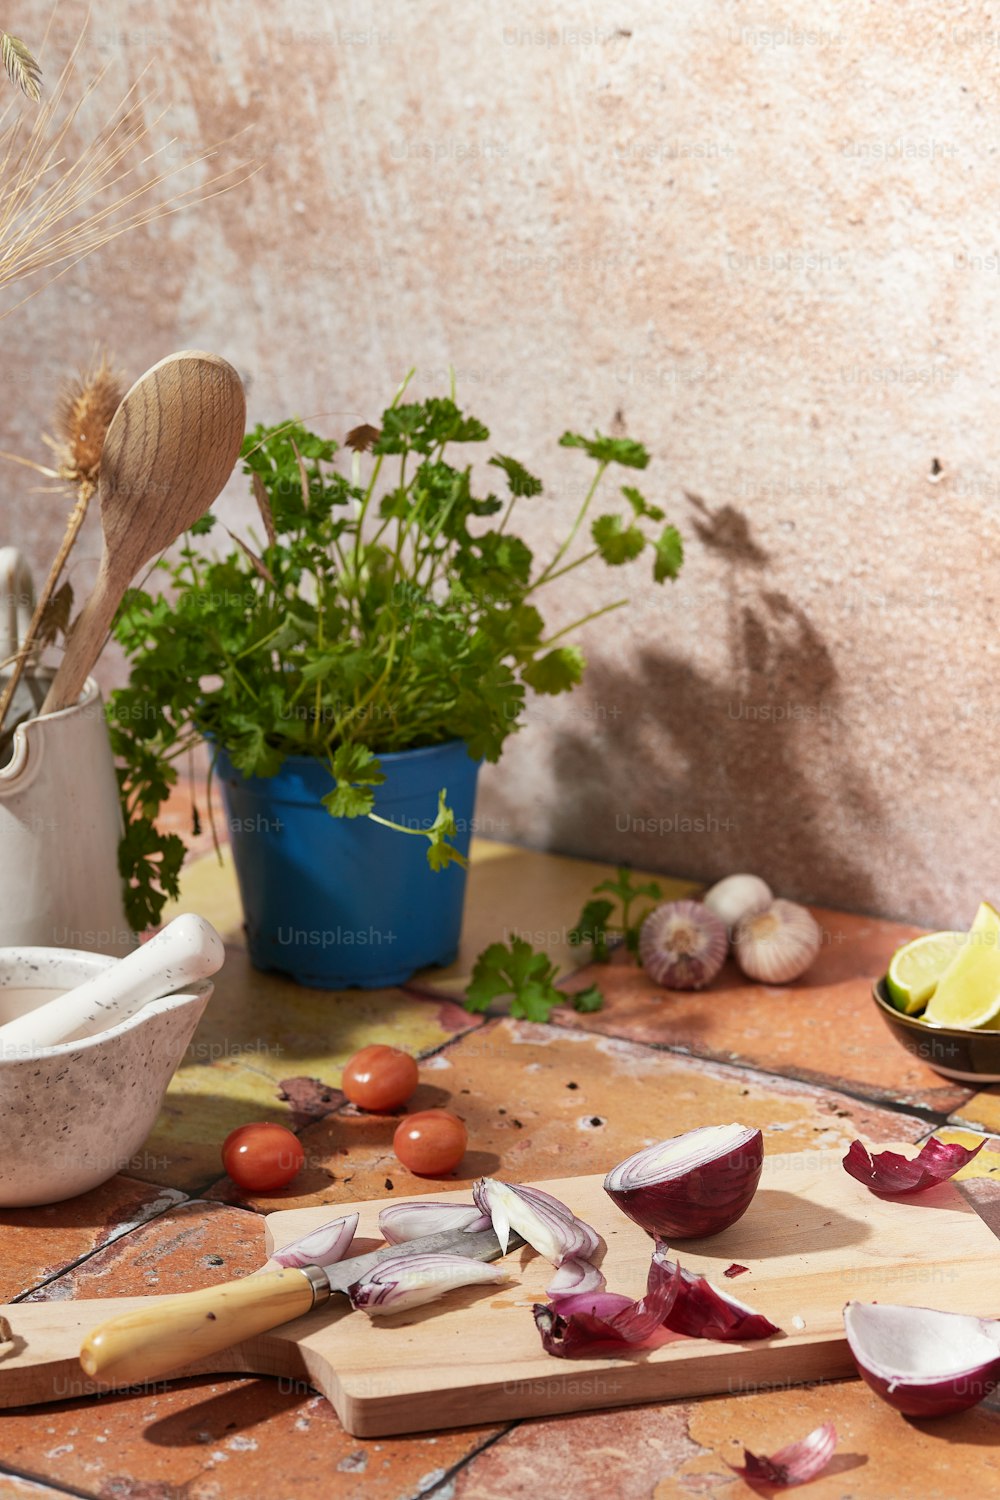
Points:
169	450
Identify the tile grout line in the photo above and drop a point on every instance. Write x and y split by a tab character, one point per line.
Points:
925	1111
457	1468
82	1259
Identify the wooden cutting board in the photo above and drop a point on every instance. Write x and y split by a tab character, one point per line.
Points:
813	1239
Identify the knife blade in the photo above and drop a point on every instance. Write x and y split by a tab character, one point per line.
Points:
173	1332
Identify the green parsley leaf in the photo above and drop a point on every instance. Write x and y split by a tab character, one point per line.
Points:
440	853
640	504
519	480
594	924
588	1000
556	671
592	928
669	554
518	971
608	450
357	772
617	542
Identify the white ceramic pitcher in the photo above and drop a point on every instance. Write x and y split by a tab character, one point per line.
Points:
60	820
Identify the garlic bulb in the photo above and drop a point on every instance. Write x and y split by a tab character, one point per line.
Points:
738	896
777	945
682	945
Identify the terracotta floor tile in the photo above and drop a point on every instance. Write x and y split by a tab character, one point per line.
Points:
879	1456
615	1455
194	1244
35	1243
540	1101
535	896
208	1439
260	1031
825	1027
982	1110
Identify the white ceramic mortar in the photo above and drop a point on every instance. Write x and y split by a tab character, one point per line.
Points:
72	1116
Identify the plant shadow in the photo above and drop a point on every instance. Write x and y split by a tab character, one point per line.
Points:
707	772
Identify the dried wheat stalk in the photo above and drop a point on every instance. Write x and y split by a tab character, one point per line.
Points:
53	192
83	417
21	67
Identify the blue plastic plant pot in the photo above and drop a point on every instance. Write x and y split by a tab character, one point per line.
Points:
337	902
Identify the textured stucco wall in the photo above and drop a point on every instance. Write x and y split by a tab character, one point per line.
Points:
767	246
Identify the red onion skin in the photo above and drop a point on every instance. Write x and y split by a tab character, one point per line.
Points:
701	1312
586	1323
794	1465
940	1398
704	1202
893	1176
676	1301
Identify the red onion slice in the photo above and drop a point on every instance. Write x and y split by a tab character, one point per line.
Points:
702	1311
411	1280
895	1175
693	1185
923	1362
543	1221
796	1464
399	1222
320	1247
605	1322
576	1276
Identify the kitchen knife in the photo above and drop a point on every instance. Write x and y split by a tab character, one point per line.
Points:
176	1331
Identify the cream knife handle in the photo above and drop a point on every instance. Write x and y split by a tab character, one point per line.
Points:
151	1342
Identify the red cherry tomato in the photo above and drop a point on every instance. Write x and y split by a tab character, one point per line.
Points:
262	1156
430	1143
380	1078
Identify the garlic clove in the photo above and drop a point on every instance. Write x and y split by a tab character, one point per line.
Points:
683	945
738	897
779	944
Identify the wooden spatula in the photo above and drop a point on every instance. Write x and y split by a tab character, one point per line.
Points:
170	448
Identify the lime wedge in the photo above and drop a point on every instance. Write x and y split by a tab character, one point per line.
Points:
968	992
916	968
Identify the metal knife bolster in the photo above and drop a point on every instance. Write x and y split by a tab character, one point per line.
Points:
482	1245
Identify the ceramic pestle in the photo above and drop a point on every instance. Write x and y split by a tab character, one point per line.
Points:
187	950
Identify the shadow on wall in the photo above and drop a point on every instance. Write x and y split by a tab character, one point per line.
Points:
704	778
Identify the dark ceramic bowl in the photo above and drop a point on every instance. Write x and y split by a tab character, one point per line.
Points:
969	1056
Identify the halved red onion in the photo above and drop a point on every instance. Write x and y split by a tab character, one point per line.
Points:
693	1185
796	1464
544	1223
411	1280
923	1362
399	1222
895	1175
320	1247
605	1322
703	1311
